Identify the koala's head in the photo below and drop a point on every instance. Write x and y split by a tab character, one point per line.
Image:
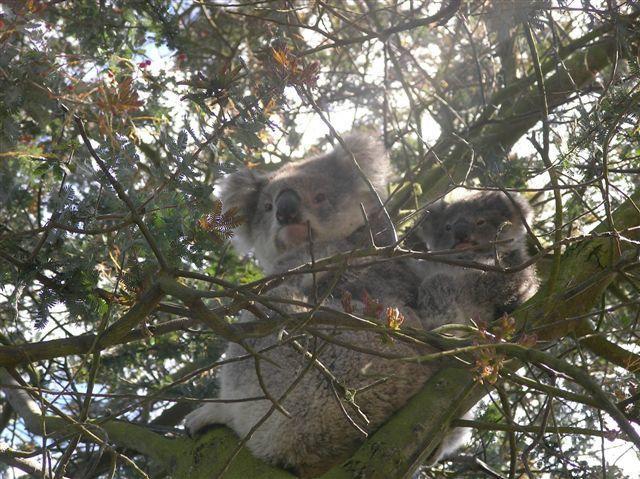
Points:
476	220
321	194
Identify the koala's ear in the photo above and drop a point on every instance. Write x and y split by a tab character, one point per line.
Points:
523	205
241	190
370	154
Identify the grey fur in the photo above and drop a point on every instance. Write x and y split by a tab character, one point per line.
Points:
318	434
491	225
334	219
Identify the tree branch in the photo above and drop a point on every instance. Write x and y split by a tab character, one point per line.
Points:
442	16
502	128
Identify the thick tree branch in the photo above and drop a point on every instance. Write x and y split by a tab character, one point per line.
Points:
600	346
182	457
121	331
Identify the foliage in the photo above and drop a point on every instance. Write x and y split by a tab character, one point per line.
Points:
116	119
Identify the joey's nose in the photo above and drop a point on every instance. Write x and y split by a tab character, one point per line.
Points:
288	207
461	230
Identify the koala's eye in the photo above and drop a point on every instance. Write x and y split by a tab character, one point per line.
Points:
319	198
447	227
268	206
480	222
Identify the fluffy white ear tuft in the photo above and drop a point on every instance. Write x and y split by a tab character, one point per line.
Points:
370	154
241	190
524	206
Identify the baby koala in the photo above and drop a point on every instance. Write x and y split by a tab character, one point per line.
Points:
487	228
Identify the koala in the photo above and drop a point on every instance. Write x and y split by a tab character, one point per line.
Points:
481	227
318	199
320	196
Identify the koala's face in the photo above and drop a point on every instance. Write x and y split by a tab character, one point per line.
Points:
318	198
475	221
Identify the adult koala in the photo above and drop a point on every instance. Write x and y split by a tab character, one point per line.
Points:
322	198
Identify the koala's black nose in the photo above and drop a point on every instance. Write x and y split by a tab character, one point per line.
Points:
462	230
288	207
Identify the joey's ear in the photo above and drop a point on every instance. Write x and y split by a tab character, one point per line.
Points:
508	204
436	208
434	213
431	222
241	190
370	154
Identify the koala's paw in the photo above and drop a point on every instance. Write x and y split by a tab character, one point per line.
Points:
202	417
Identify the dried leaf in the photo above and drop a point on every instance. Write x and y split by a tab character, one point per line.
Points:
220	224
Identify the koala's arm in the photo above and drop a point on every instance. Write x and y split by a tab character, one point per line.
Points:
293	259
207	415
458	297
506	292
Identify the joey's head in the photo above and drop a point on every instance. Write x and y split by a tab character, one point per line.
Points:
476	221
318	197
